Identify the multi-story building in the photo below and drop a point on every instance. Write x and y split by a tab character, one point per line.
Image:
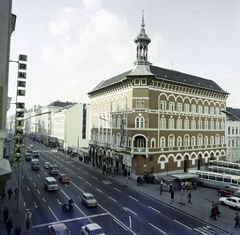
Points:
233	134
155	120
7	26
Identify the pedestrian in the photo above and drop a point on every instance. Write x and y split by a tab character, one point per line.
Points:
161	189
172	196
3	195
195	185
216	208
5	214
17	230
236	218
9	226
16	192
213	213
9	193
138	180
189	197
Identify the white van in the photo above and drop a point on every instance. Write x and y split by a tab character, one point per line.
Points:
50	184
35	164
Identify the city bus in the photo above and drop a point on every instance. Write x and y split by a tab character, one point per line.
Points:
226	164
216	180
225	170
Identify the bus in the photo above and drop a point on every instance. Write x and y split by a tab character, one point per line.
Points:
216	180
225	170
226	164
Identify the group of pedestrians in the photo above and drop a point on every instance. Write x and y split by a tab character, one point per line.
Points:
9	192
8	223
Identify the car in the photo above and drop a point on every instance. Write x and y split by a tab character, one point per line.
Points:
58	229
92	229
88	200
231	202
226	192
46	165
63	178
28	157
35	154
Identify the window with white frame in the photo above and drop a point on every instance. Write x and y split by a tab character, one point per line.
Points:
212	110
205	124
171	106
186	124
179	141
193	108
217	125
140	103
229	130
163	105
205	140
222	140
232	130
139	122
200	124
217	111
179	123
171	141
205	109
193	141
153	143
193	124
186	108
179	107
200	109
171	123
222	125
211	140
163	123
236	131
186	140
200	140
162	142
124	105
211	125
140	143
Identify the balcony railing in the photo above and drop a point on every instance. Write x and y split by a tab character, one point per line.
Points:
139	150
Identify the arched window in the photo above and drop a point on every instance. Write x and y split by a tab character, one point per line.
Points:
217	140
171	106
162	105
186	124
222	140
153	143
193	141
179	141
205	140
200	140
186	140
179	107
162	142
171	141
193	124
139	122
200	124
179	123
217	125
222	125
171	123
211	140
211	125
206	125
162	123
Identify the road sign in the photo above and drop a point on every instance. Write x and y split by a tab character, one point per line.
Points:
19	132
19	123
18	141
17	150
17	159
20	114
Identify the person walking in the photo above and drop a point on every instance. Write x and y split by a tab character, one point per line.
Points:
3	195
9	226
5	214
236	218
161	188
189	198
16	192
17	230
9	193
213	213
172	196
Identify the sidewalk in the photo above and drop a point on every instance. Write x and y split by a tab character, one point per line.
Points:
17	217
201	201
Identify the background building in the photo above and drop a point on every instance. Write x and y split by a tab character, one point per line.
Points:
7	26
154	120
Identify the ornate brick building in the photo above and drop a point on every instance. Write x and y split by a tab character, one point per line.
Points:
151	119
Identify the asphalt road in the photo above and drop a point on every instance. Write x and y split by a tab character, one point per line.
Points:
120	210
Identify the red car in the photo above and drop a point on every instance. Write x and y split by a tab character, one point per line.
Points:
227	192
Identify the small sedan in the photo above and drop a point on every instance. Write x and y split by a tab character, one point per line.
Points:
233	202
58	229
46	165
88	200
63	178
92	229
227	192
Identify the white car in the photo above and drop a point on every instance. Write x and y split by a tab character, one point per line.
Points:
46	165
92	229
58	229
231	201
88	200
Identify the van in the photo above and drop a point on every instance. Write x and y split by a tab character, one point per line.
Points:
35	164
53	169
50	184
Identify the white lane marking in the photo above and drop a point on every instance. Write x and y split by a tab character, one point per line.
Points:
30	178
154	209
127	209
44	199
39	175
130	221
183	225
86	173
38	191
28	189
117	189
99	190
88	183
157	228
120	224
35	205
133	198
53	213
58	201
95	178
34	184
112	199
80	177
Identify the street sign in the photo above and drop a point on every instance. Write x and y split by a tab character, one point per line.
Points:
17	150
17	159
19	123
20	114
18	141
20	105
19	132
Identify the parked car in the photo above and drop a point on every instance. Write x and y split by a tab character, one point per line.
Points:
58	229
46	165
88	200
63	178
226	192
92	229
231	202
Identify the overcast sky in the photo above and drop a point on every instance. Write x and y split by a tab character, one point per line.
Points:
72	45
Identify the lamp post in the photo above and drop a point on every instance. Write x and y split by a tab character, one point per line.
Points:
113	140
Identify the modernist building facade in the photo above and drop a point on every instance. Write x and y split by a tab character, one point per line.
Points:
155	120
